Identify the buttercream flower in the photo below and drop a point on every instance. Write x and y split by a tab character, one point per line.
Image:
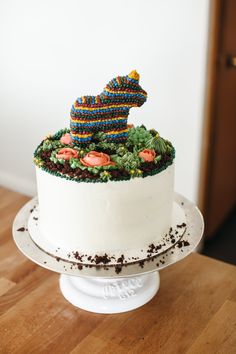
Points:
94	158
67	154
147	155
129	126
66	139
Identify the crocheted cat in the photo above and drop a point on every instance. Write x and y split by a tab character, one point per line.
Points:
107	112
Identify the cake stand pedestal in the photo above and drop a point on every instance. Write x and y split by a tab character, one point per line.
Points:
103	295
101	289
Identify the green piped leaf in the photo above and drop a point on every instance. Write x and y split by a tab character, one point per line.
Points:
97	169
54	159
157	159
75	163
105	176
49	144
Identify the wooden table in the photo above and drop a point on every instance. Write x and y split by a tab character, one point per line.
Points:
193	312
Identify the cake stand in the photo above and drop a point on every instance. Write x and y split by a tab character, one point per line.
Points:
106	288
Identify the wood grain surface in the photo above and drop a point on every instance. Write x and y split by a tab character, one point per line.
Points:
193	312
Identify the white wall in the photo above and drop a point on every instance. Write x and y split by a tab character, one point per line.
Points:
55	51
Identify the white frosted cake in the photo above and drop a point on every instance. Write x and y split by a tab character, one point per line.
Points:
103	185
105	217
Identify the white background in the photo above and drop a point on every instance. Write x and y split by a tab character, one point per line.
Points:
55	51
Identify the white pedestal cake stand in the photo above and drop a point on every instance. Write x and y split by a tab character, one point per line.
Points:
102	289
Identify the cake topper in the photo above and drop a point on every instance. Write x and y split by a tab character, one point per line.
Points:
107	112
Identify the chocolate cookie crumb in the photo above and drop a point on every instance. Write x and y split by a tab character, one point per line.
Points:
102	259
118	268
141	264
182	243
121	259
21	229
77	256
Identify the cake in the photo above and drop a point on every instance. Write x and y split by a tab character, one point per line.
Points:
105	186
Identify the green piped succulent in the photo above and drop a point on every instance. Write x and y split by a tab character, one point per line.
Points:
129	161
100	136
159	144
107	146
138	137
91	147
121	150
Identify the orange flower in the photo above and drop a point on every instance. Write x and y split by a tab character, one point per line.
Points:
66	139
67	154
147	155
94	158
129	126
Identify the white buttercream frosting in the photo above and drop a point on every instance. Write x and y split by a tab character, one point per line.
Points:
105	217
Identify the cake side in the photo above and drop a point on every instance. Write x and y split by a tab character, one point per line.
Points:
107	217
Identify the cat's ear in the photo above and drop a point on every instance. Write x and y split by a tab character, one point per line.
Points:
134	75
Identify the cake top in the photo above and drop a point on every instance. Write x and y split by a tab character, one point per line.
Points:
100	145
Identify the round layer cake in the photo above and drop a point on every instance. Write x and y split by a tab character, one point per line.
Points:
105	217
105	185
105	197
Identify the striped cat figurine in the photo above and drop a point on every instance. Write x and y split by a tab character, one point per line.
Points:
107	112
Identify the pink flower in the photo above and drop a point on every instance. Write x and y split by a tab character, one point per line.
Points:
67	154
66	139
147	155
94	158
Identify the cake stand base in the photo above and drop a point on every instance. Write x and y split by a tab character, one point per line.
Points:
101	289
107	295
